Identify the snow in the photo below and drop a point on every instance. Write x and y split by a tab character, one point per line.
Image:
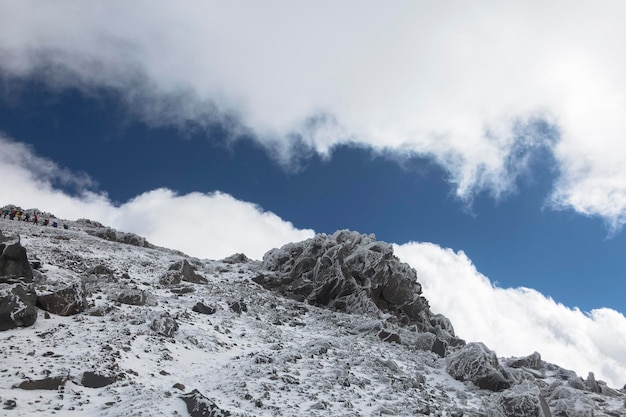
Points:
278	358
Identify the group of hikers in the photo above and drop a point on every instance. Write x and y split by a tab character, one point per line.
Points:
14	213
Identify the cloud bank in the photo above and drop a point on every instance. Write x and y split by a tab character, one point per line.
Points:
467	85
518	321
212	225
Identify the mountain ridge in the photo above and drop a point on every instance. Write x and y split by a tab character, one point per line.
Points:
143	343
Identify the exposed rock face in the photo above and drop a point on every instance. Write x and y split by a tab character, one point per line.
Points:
182	271
237	258
200	406
203	309
14	264
351	272
532	361
121	237
567	401
475	362
17	306
66	302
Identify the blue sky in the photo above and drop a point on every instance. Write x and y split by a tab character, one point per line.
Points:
486	142
516	241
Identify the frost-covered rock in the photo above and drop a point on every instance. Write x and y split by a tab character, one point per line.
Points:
66	302
532	361
477	363
164	324
17	306
200	406
14	263
237	258
567	401
351	272
523	400
132	297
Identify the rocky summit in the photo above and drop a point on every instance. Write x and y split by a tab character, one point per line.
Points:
97	322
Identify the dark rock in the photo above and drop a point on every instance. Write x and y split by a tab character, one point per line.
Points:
349	272
475	362
182	271
592	384
17	306
46	383
101	270
132	297
237	258
203	309
9	405
66	302
164	325
385	336
121	237
531	361
200	406
238	307
94	380
179	386
14	264
439	347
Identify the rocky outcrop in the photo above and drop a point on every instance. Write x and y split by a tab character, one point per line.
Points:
237	258
200	406
66	302
476	363
182	271
354	273
14	265
113	235
17	306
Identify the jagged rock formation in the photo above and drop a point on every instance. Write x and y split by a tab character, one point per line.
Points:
351	272
475	362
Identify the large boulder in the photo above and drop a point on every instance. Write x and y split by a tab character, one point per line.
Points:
182	271
14	265
17	306
350	272
478	364
66	302
523	400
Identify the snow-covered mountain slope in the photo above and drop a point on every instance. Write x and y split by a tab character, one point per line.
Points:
153	332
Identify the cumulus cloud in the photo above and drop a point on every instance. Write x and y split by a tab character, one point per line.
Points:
212	225
518	321
463	84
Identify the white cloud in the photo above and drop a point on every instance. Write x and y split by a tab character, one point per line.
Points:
212	225
449	80
518	321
